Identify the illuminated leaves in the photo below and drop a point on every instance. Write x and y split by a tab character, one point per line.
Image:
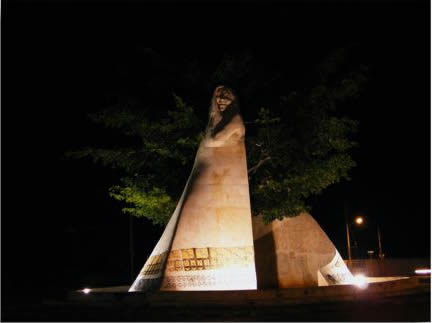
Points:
168	144
296	148
154	203
306	143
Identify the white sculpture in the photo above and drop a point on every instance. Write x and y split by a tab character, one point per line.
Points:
208	242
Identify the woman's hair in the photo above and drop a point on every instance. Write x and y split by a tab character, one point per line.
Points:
225	116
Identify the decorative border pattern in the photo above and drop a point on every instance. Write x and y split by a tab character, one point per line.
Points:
209	258
154	264
192	259
244	278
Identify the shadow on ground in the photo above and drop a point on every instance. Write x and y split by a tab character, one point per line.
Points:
407	308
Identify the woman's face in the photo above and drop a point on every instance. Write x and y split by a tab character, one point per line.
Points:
224	98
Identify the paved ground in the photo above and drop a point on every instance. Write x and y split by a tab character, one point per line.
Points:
406	300
411	308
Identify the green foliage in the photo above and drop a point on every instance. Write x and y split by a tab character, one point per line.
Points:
153	203
167	144
295	149
306	147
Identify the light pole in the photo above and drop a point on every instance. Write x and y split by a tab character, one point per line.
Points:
380	252
131	248
347	234
359	221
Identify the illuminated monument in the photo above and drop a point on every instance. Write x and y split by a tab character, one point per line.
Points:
208	241
209	244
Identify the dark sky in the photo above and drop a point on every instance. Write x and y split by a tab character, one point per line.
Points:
61	61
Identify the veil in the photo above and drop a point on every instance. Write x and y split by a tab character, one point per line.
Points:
219	119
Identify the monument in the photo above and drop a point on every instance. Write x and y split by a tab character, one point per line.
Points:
296	252
208	241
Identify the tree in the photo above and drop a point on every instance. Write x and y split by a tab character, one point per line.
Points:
297	146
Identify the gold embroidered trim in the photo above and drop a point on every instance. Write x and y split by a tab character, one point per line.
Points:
200	259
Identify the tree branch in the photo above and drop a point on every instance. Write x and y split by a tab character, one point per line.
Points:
258	165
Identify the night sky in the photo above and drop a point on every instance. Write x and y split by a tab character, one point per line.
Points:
61	230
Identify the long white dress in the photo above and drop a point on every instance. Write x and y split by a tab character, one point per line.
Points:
208	242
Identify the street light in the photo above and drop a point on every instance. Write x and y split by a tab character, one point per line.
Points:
359	221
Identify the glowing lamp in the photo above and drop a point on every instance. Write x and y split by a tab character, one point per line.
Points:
360	281
86	290
423	271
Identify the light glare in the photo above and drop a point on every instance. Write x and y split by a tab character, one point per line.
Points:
86	290
360	281
359	220
423	271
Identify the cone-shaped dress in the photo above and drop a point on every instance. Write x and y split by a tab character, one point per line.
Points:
208	242
296	252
